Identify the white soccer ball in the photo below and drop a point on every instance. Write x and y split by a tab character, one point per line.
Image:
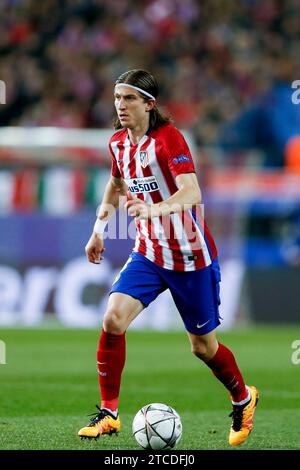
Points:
157	426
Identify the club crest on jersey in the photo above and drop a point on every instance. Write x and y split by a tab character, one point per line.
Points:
144	158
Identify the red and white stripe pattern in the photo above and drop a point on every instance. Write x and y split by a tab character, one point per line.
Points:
176	241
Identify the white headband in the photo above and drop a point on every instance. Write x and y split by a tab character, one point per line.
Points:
138	89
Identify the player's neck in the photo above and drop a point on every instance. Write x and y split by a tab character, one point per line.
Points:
137	132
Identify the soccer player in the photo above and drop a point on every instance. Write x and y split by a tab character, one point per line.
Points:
174	250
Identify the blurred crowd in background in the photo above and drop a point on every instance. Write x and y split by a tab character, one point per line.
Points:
229	73
218	63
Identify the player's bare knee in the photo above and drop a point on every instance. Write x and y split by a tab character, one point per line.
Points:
113	321
200	350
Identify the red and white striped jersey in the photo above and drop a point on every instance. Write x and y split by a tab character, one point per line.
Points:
179	241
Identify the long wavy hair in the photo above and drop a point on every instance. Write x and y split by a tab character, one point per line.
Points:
146	81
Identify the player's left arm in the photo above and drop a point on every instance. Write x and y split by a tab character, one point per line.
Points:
187	195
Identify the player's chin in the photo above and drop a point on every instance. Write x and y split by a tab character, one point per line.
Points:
124	121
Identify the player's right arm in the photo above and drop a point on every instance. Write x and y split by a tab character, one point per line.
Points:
115	188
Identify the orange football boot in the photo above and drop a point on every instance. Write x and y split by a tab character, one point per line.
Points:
103	422
242	419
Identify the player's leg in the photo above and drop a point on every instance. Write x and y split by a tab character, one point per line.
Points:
196	295
223	365
134	288
121	310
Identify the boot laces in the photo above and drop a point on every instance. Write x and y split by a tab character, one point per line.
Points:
237	417
98	416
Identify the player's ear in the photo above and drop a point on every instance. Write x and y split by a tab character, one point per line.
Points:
150	105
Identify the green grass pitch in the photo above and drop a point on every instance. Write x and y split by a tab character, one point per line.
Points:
49	385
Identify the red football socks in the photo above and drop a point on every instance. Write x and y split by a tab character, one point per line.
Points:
110	360
225	368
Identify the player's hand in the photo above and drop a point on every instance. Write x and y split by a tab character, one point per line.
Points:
94	249
139	209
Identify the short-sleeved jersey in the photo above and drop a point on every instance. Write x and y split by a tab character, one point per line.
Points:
179	241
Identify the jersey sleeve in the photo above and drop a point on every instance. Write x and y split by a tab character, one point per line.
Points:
180	160
114	167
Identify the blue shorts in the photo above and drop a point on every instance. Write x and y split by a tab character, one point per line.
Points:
195	293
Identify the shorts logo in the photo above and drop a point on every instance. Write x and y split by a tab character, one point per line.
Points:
144	158
203	324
